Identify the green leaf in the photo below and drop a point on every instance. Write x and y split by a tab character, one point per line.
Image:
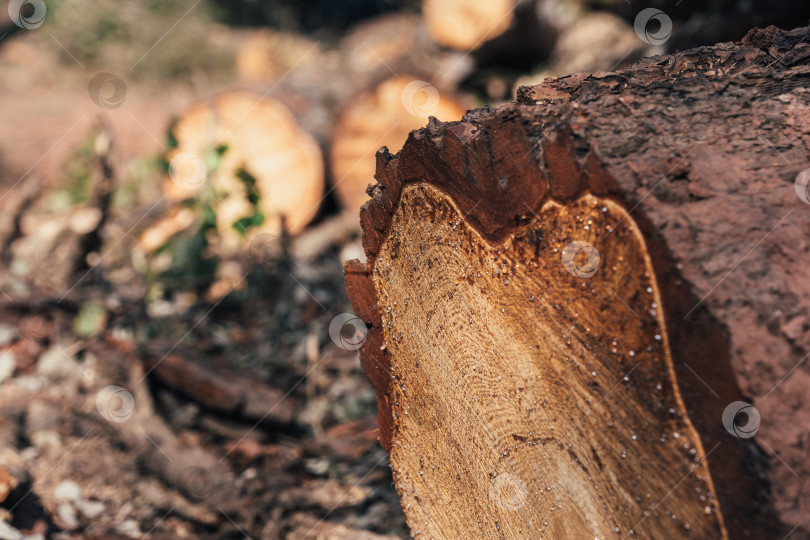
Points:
91	319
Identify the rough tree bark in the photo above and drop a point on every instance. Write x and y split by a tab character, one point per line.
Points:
566	293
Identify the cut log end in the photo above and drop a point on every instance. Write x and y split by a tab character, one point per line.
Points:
542	368
238	154
521	383
466	24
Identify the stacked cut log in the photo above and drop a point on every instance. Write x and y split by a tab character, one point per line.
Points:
465	24
266	55
258	137
382	117
510	34
399	43
568	294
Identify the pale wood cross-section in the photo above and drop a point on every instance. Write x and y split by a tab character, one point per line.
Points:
542	403
259	136
466	24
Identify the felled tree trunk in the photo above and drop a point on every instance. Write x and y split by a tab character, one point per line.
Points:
567	295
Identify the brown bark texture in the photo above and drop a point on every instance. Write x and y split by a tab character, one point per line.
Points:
569	297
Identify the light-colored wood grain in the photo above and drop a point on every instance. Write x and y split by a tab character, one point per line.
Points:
263	139
466	24
382	117
529	402
265	55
